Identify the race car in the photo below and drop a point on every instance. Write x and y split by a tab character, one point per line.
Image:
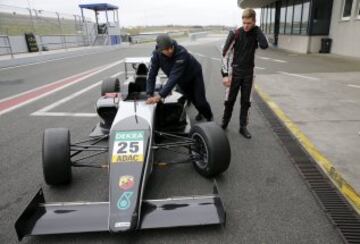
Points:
132	133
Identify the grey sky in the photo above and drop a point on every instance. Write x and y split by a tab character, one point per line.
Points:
151	12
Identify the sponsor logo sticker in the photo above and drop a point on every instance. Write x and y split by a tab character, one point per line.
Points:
126	182
128	147
124	201
121	224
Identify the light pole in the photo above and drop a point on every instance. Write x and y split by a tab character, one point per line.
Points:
36	21
61	32
31	17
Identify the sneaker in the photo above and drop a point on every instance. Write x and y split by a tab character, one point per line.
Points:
244	131
224	125
198	117
210	119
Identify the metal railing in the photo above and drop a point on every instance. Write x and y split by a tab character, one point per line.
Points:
16	21
52	42
5	44
53	30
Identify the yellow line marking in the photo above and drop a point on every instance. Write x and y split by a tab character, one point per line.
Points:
326	165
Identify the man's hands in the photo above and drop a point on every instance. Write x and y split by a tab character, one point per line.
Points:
153	100
227	81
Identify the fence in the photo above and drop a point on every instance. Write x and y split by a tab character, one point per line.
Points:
53	30
5	45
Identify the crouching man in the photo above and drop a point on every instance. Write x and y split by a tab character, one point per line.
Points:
238	67
183	70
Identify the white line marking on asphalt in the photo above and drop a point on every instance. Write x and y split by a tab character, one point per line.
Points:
204	56
353	86
40	87
45	61
296	75
200	55
59	114
218	59
45	111
99	70
279	60
272	59
117	74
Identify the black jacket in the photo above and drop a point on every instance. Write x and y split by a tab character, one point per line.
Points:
181	69
239	51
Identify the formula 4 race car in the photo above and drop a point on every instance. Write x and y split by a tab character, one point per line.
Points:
131	132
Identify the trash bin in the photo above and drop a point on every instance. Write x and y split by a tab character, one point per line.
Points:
325	45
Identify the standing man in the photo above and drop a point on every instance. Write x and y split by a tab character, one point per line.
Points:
238	67
182	69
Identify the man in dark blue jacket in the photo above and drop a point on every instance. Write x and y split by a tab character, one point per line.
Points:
183	70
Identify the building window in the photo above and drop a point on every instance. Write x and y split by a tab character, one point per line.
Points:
269	20
282	18
273	13
297	17
305	17
347	7
265	20
262	19
289	16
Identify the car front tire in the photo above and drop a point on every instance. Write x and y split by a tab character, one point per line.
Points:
211	152
56	156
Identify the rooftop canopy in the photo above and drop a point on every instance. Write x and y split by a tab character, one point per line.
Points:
253	3
99	6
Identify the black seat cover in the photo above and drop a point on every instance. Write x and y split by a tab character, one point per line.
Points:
141	77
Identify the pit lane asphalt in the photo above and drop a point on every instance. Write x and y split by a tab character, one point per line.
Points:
265	197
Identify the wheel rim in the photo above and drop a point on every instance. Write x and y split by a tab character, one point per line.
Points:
200	151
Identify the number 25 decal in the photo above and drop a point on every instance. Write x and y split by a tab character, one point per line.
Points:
133	147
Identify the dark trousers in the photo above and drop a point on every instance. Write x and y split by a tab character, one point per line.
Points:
244	84
195	92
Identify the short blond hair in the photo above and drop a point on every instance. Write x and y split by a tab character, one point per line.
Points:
249	13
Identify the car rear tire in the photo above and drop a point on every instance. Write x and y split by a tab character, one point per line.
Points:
211	152
56	156
110	85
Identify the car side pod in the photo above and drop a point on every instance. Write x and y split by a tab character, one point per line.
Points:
41	218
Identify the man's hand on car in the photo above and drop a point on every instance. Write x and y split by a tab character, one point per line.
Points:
153	99
227	81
